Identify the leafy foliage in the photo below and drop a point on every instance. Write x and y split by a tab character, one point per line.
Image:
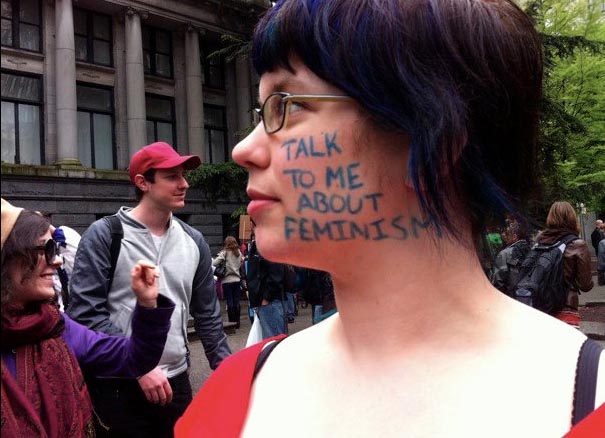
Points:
225	181
233	48
572	138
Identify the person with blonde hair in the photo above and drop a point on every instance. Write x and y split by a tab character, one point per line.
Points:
232	257
562	221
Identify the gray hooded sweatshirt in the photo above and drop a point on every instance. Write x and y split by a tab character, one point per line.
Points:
186	278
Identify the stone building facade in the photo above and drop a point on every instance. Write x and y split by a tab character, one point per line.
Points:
86	83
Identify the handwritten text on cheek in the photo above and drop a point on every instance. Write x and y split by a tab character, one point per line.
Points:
353	202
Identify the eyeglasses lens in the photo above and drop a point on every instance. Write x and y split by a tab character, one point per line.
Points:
256	116
51	250
273	116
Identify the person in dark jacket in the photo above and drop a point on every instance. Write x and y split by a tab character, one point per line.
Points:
601	262
266	292
597	235
508	261
44	351
562	221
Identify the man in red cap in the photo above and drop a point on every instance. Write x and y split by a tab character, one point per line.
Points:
150	405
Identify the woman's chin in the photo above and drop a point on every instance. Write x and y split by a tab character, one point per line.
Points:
46	296
274	247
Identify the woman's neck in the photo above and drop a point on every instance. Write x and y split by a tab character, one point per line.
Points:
409	295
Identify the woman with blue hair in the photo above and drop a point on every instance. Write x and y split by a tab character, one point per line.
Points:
390	133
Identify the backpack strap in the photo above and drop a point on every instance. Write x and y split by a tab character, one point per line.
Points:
64	280
586	380
566	240
117	233
264	354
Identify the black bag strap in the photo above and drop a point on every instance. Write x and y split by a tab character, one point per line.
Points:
264	354
586	380
64	279
117	232
568	239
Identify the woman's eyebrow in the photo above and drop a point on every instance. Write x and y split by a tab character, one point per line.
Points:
281	85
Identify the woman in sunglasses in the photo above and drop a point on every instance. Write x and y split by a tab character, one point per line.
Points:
44	352
390	133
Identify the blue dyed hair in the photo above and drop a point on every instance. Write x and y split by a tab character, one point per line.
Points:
462	78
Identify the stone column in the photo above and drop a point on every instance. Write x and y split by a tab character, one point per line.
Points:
244	101
65	64
135	83
195	98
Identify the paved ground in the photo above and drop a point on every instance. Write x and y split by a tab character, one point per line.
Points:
592	311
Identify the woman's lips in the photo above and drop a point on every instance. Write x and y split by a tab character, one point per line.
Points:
259	201
257	205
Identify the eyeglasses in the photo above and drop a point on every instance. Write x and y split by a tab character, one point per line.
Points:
51	250
277	106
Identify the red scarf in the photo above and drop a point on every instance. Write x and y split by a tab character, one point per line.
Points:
48	397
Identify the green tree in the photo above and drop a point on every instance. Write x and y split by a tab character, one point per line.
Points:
572	141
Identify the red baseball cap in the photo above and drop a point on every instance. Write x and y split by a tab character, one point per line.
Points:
159	155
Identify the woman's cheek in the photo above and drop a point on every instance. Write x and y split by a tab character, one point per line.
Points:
333	196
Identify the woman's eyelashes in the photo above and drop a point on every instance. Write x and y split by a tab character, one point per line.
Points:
296	106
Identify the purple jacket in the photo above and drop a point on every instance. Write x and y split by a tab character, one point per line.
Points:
103	355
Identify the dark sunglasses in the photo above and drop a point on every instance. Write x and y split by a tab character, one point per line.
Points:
51	250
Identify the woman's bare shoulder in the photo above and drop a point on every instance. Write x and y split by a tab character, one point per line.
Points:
305	344
527	325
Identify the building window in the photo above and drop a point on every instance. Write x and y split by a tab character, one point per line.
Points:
95	126
157	52
213	68
93	37
21	119
160	119
215	133
21	24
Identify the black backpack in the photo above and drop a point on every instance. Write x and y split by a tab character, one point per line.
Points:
117	233
541	281
519	252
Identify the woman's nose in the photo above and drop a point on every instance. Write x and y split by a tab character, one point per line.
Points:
253	150
57	261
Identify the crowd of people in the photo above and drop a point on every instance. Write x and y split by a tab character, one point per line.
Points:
514	264
389	136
